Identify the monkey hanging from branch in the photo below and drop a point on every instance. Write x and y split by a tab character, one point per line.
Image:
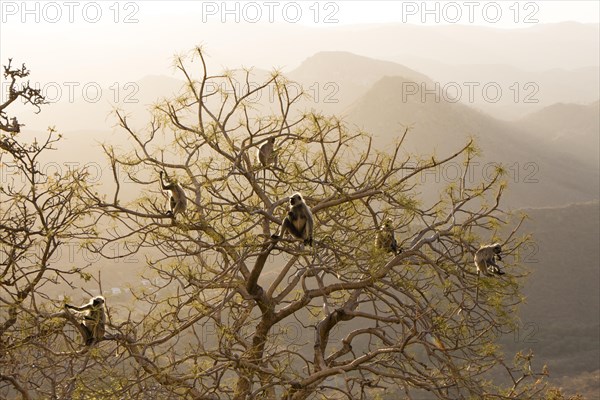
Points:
177	198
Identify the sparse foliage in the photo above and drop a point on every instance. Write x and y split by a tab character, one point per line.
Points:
233	314
41	212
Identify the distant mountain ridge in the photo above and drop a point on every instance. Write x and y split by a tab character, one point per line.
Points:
347	66
538	173
570	128
343	77
523	91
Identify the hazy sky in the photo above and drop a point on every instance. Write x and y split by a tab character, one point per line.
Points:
107	40
361	12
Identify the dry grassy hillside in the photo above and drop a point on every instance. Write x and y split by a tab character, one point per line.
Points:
561	320
570	128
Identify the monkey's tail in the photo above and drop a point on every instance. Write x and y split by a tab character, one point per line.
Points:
477	288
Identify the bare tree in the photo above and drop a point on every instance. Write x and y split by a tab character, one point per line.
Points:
40	214
18	90
232	313
237	315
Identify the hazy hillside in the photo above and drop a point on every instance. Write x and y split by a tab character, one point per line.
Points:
523	91
342	77
537	173
570	128
560	320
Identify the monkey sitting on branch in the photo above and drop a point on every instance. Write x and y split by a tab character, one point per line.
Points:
299	221
267	154
94	319
385	238
485	259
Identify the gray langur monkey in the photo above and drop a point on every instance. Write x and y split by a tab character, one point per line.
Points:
267	154
485	259
15	126
299	221
385	238
94	319
177	197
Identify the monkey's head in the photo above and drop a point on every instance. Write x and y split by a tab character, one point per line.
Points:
272	139
98	301
296	199
388	224
497	248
